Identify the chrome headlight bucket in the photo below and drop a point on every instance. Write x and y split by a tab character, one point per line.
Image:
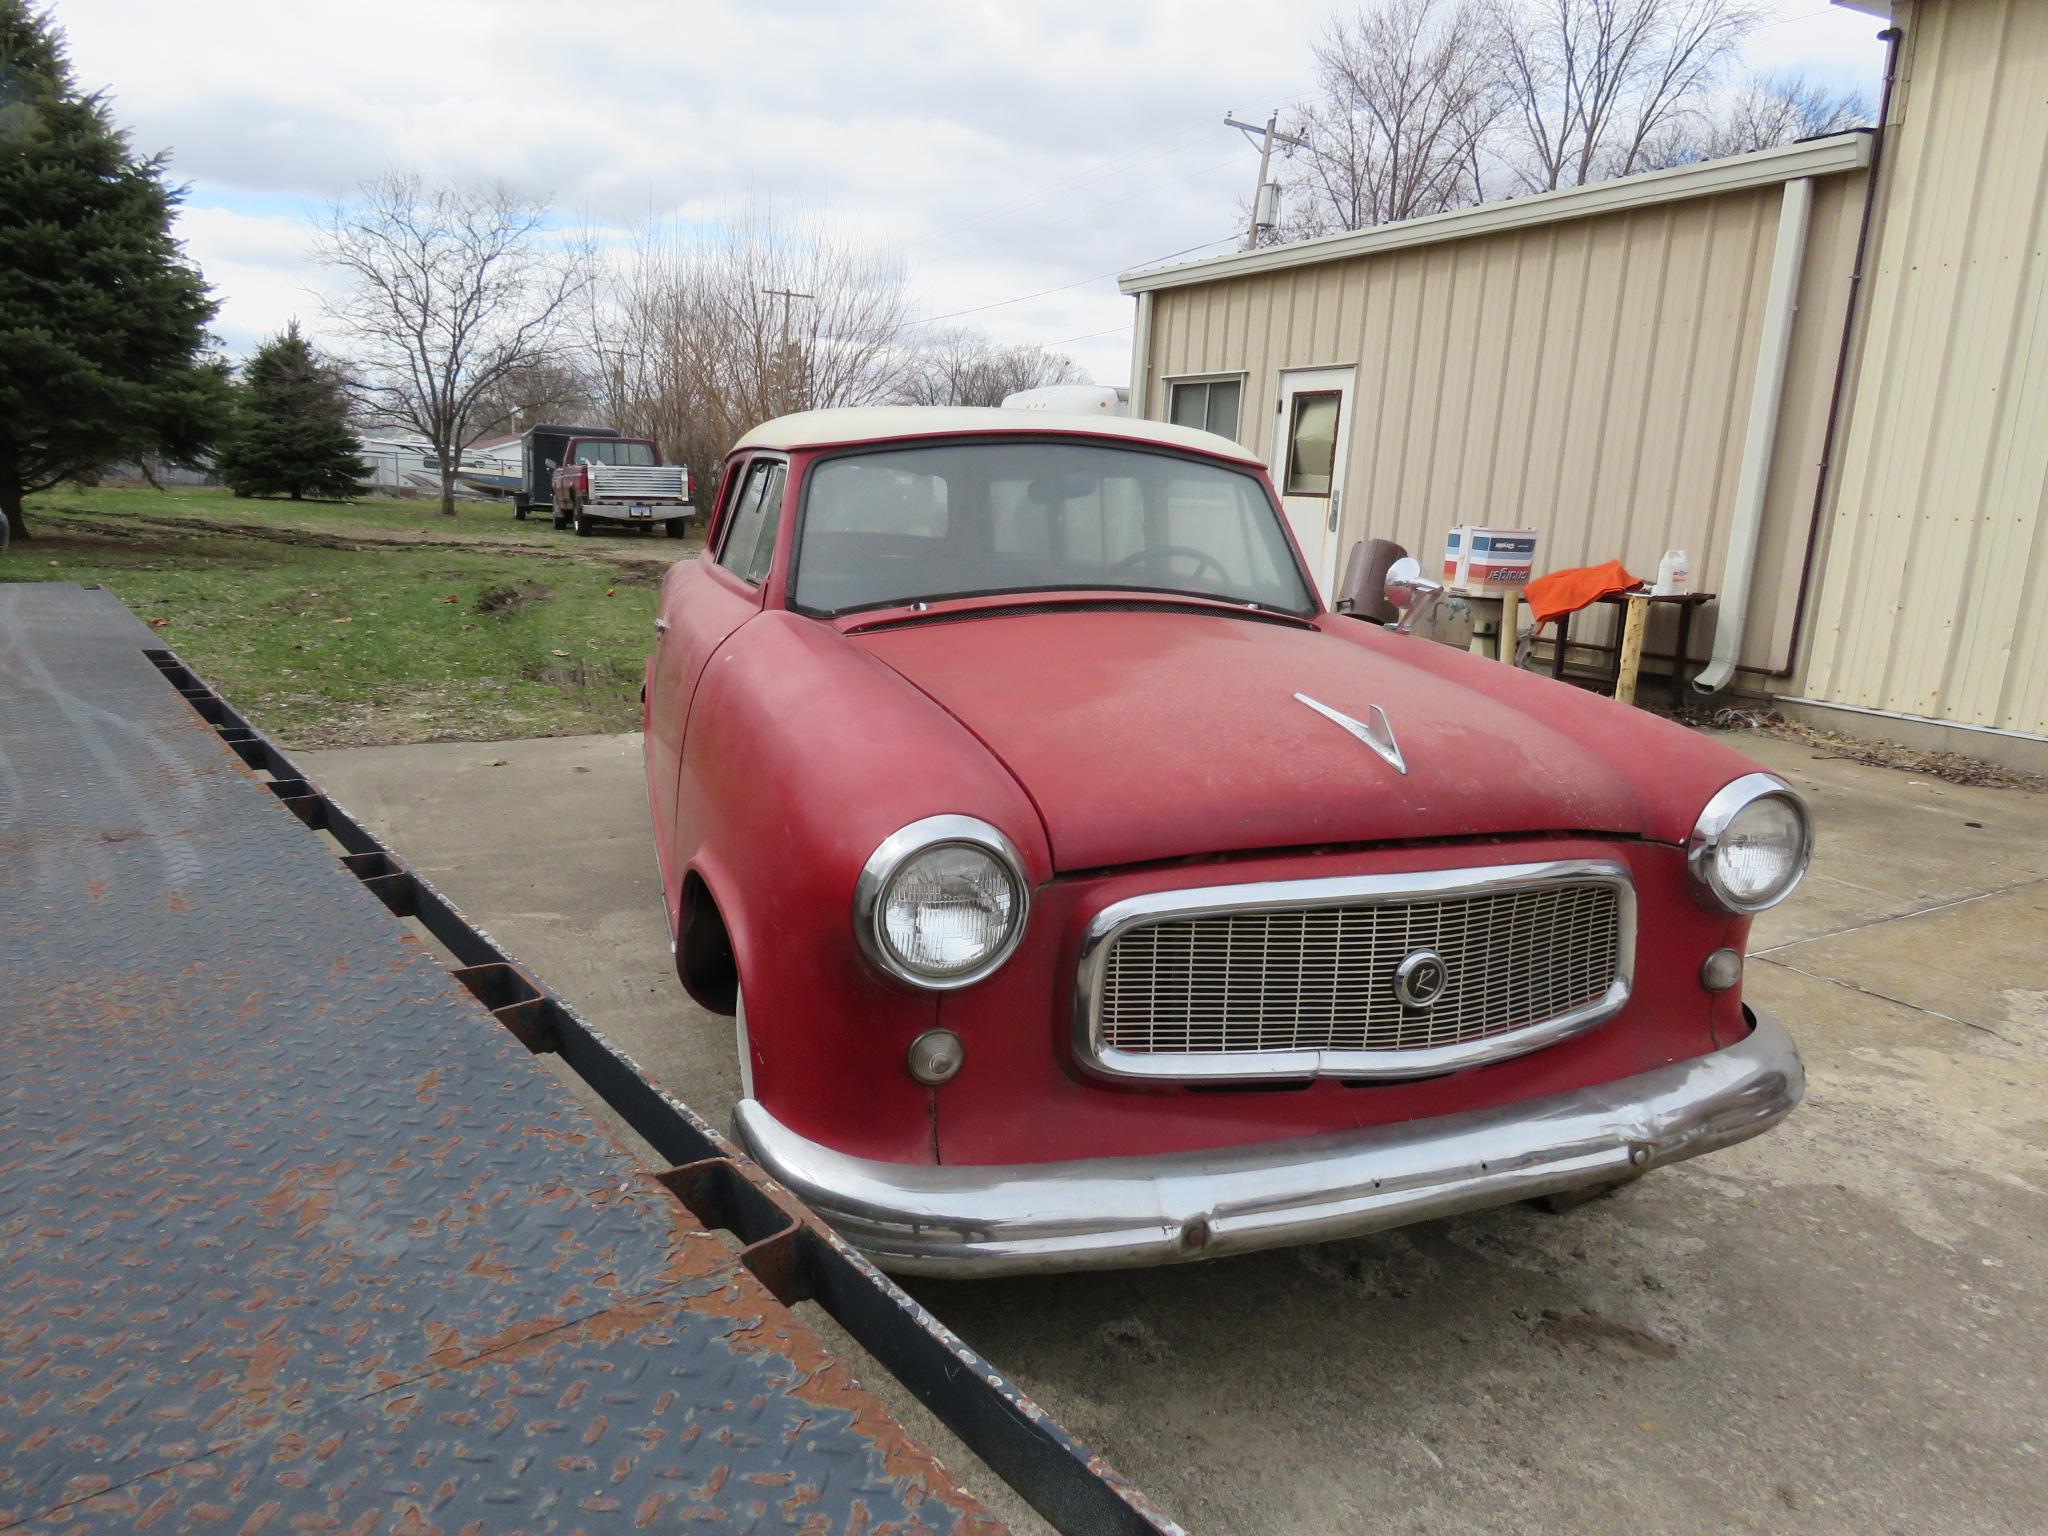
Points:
941	903
1751	845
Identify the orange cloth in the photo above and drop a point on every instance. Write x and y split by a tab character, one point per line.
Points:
1558	593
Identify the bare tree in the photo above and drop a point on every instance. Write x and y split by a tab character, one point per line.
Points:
1760	113
1596	84
550	389
1408	92
451	291
965	367
697	339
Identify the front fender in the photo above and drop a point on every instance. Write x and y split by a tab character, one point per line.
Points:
803	753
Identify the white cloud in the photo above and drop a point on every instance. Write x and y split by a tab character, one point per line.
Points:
919	121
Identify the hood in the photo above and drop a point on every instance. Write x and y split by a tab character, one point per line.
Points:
1159	734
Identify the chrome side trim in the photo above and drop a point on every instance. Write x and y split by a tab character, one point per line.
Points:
1107	1212
1097	1057
1720	810
882	864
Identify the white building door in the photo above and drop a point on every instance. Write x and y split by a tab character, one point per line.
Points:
1310	445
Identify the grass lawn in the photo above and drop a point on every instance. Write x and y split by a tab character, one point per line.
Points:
392	516
379	621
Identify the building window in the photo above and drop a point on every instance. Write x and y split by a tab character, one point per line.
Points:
1312	444
1207	404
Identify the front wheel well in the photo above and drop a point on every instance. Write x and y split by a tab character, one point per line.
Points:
704	957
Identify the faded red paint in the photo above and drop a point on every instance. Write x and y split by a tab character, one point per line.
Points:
1122	751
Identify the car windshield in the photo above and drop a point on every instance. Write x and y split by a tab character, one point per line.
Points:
641	454
968	518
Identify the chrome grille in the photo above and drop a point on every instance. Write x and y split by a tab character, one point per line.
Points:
1523	948
626	480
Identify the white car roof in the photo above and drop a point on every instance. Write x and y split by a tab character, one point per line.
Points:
867	424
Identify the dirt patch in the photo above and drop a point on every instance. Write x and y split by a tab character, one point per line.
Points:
1604	1335
570	672
1949	767
636	564
506	599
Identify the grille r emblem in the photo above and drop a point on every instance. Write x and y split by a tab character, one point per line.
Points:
1421	979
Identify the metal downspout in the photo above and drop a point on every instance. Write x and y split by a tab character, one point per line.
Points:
1838	391
1141	354
1781	305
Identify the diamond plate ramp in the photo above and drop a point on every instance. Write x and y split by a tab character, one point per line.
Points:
292	1235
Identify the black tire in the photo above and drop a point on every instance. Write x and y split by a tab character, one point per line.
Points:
678	526
582	525
520	507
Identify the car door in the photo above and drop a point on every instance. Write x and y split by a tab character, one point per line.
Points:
703	603
1310	450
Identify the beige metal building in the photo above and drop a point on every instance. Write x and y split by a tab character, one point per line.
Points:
1934	577
1654	363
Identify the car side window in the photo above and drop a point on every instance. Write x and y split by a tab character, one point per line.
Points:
756	571
732	491
743	521
749	546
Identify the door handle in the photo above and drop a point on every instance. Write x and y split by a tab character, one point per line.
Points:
1336	496
661	626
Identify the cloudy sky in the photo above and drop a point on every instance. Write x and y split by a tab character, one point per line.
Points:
1003	147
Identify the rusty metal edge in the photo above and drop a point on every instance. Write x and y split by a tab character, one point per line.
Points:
794	1254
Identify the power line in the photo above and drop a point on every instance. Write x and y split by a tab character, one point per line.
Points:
1063	287
1112	202
1091	335
1078	179
1091	174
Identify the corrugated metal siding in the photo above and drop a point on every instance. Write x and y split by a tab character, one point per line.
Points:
1934	592
1588	377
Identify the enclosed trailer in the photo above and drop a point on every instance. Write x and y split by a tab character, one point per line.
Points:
540	454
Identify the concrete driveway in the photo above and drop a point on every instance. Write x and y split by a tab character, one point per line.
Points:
1838	1327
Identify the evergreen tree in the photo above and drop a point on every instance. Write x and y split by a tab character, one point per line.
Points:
102	318
289	434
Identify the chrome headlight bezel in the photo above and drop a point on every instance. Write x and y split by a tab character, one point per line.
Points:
1702	852
870	895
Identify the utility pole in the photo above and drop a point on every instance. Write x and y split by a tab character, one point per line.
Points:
788	296
1263	215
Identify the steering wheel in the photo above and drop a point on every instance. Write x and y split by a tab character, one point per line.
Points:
1204	561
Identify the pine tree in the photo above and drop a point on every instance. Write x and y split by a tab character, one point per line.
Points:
102	317
289	434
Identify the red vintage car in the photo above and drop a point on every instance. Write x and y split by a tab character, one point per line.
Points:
1087	894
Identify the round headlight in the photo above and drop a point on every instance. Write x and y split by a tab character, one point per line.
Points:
941	903
1751	844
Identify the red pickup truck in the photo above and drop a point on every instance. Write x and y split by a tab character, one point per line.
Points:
613	479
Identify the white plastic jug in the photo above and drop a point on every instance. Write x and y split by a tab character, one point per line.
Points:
1674	573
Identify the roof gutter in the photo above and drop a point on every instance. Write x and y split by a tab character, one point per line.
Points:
1765	167
1774	348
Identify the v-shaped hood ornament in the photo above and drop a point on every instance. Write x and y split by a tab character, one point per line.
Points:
1378	735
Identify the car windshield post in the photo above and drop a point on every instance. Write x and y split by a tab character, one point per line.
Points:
921	522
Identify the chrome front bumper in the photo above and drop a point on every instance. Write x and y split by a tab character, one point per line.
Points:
1106	1212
